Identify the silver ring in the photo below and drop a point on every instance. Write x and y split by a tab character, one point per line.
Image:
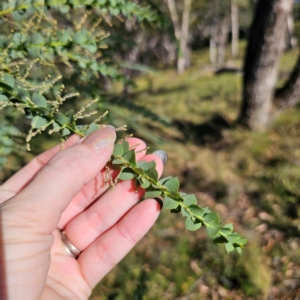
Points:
71	249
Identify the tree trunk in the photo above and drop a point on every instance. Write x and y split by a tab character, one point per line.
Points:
182	56
222	41
213	45
174	17
181	33
265	46
289	94
291	40
234	29
213	42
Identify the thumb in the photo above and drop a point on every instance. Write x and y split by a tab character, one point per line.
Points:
53	188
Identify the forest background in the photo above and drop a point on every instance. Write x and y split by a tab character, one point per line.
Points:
215	84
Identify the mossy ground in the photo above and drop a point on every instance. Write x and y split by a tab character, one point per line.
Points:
251	179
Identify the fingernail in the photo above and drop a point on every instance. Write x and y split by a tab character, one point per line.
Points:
162	155
101	139
110	126
160	202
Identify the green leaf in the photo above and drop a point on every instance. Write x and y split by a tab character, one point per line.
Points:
37	39
206	210
172	185
145	183
212	231
212	218
64	37
152	194
190	225
169	203
117	162
39	122
118	150
227	229
79	38
239	250
65	132
229	247
92	127
152	173
146	165
189	199
60	118
233	238
242	242
91	48
34	52
125	146
3	98
184	213
163	180
126	174
70	116
8	82
24	95
130	157
198	211
39	100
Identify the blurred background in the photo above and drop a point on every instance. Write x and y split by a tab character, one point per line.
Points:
216	84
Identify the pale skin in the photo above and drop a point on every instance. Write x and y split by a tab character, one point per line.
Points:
66	189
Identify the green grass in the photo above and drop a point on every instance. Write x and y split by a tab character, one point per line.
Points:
251	179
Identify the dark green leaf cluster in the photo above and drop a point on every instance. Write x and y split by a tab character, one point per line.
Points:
145	175
77	48
128	9
42	112
8	133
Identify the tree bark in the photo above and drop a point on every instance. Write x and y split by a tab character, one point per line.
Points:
174	17
181	32
213	41
222	40
291	40
289	94
182	56
266	43
234	29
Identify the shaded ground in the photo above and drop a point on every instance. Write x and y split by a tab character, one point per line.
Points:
250	179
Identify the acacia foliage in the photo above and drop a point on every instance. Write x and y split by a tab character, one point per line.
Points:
46	44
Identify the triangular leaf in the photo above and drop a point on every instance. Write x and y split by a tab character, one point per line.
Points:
198	211
172	185
92	127
212	231
152	194
190	225
39	122
60	118
163	180
126	174
152	173
130	156
189	199
39	100
125	146
146	165
145	183
229	247
3	98
118	150
169	203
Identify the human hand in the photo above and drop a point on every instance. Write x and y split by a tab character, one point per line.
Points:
66	190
